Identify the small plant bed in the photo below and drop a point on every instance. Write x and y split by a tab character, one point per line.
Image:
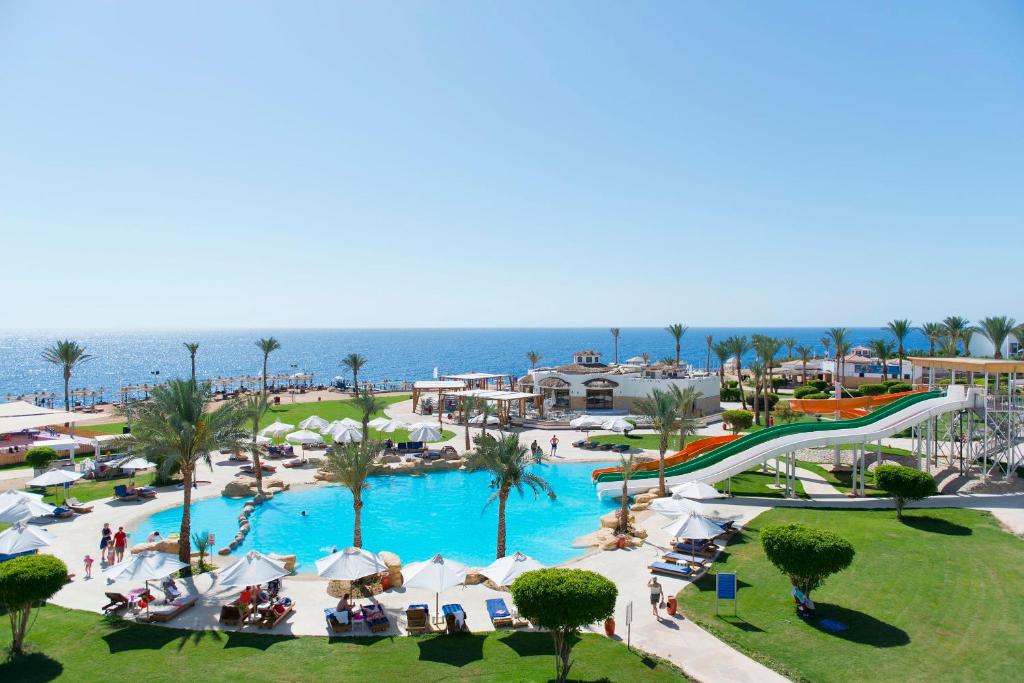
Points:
934	598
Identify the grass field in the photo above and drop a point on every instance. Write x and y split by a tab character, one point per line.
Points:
936	598
755	483
843	479
85	490
68	645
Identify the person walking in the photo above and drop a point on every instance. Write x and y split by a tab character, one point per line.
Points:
88	566
106	538
554	444
657	595
120	543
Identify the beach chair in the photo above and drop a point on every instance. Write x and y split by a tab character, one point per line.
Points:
121	493
296	462
336	622
165	613
454	618
62	512
117	603
695	549
276	614
77	506
145	492
231	613
417	619
671	569
579	443
620	448
685	559
375	618
605	446
498	611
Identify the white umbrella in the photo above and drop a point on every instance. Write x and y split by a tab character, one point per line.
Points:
424	432
12	496
350	564
693	526
304	436
137	464
314	422
378	422
264	440
391	425
252	569
343	434
55	478
697	490
504	571
436	574
676	506
617	424
478	419
24	510
349	422
145	566
585	421
276	429
21	538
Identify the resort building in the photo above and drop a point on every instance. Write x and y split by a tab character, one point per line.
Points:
861	367
588	385
981	346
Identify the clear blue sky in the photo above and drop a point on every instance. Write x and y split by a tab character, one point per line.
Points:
483	163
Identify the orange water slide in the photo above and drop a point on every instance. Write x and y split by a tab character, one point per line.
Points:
848	407
692	450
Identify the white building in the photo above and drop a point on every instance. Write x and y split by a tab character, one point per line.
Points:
589	385
981	346
861	367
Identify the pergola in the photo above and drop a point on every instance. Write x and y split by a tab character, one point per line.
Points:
504	399
439	385
479	380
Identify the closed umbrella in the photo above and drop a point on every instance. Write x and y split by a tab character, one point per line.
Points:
697	490
314	422
22	538
505	570
276	429
436	574
392	425
343	434
304	436
252	569
145	566
24	510
350	564
424	432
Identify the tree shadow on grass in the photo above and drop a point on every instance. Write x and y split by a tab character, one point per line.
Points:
740	623
863	628
31	668
127	636
455	650
364	641
531	644
253	641
936	525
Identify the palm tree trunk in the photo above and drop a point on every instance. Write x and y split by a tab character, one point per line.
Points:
355	382
677	353
739	376
193	368
624	508
185	532
257	465
357	529
757	401
662	447
467	433
366	428
502	499
67	391
265	357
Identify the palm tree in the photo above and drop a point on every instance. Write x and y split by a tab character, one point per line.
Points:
997	329
739	347
721	350
192	348
68	355
677	330
174	430
900	329
883	349
367	403
827	343
790	344
660	407
470	404
533	357
686	414
355	363
934	332
757	370
805	353
838	337
628	467
484	410
708	339
508	464
267	346
253	408
615	339
966	336
351	465
767	348
955	326
646	355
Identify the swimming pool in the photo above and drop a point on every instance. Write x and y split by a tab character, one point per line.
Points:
413	516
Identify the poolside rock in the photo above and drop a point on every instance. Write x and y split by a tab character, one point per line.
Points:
611	519
224	551
164	546
287	561
277	484
236	489
639	507
389	459
474	577
394	564
645	498
322	475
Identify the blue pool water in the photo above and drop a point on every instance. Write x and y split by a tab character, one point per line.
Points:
414	517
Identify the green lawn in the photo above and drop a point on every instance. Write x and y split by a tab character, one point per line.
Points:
68	645
85	490
936	598
755	483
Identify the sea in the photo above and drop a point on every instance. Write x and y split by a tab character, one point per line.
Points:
393	355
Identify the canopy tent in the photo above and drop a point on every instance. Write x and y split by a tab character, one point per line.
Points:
253	568
431	386
350	564
22	538
63	443
436	574
504	400
17	416
505	570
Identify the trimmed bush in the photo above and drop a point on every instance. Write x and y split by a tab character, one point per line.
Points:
873	389
818	395
24	581
737	420
889	382
899	387
852	393
564	601
785	414
904	484
802	392
732	383
819	384
779	382
40	457
729	394
805	554
760	402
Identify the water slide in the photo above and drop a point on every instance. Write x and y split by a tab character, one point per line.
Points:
758	447
848	408
692	450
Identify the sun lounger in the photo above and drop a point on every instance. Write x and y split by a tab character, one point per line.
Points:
121	493
620	448
671	569
417	619
117	603
454	618
579	443
497	610
172	609
62	512
694	548
276	614
297	462
337	622
605	446
231	613
145	492
684	558
77	506
376	619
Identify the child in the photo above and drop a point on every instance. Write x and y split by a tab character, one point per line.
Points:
88	567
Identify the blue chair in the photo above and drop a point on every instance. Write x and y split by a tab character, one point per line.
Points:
497	610
670	569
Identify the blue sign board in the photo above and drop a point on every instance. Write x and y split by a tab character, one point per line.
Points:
725	589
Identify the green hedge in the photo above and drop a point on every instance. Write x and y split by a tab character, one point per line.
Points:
819	384
803	392
899	388
873	389
729	394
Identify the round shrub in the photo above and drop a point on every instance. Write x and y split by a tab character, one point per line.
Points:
40	457
873	389
805	554
760	401
730	394
25	581
819	384
899	387
737	420
852	393
904	484
802	392
889	382
564	601
779	382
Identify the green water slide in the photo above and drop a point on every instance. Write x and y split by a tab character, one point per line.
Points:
764	435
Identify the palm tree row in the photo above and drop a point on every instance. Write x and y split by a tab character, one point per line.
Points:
671	412
954	334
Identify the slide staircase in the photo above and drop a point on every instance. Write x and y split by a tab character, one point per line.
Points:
758	447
